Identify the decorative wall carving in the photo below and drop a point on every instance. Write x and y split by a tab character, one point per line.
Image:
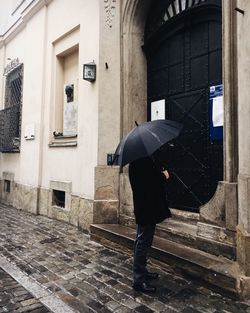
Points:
109	6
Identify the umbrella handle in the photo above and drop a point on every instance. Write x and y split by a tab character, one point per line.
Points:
115	159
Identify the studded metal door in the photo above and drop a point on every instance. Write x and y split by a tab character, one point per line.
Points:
184	60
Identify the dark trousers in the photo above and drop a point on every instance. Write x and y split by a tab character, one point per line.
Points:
143	242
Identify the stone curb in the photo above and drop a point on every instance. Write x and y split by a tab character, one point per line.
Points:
50	301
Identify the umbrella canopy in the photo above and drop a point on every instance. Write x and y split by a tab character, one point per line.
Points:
145	139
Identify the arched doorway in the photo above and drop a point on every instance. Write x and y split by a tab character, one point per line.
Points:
183	46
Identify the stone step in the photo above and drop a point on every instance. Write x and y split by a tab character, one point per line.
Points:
186	233
186	228
178	231
185	216
218	272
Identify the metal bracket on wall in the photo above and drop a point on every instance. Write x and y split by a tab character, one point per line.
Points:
240	11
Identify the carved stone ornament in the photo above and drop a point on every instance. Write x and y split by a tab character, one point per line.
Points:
11	66
109	6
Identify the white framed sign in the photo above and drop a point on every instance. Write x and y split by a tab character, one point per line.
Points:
218	111
158	110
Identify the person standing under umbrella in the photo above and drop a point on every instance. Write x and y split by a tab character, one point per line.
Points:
148	183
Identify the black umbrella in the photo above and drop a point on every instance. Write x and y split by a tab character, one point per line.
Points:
145	139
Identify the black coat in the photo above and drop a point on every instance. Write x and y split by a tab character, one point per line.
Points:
149	192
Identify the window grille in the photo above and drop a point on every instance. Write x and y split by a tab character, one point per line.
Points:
10	116
58	198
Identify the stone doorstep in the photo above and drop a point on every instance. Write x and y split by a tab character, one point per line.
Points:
178	231
219	273
185	216
185	233
185	228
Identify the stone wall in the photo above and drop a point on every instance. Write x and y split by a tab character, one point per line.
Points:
39	201
76	210
19	196
79	212
25	197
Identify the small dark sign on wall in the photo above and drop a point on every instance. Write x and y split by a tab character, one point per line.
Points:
89	72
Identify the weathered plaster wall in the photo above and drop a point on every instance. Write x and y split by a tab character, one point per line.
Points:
33	40
78	163
33	45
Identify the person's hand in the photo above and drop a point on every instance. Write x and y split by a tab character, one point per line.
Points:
166	173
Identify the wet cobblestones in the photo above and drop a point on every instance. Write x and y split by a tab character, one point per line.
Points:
91	278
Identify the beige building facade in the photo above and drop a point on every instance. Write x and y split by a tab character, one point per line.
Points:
55	162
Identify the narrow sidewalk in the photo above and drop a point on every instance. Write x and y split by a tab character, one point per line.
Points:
67	272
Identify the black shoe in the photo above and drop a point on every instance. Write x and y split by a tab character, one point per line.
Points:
150	276
143	287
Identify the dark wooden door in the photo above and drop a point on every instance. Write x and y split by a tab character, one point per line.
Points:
184	60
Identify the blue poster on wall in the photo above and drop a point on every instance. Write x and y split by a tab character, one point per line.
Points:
216	112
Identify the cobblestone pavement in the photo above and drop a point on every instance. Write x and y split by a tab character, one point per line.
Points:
87	277
14	298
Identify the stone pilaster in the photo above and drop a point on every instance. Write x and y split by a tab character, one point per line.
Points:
243	229
106	202
243	259
243	250
109	79
222	209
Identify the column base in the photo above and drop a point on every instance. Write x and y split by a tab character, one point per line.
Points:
221	210
243	250
244	288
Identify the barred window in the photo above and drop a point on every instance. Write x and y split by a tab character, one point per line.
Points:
13	90
10	116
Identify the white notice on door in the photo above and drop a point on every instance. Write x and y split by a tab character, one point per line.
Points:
218	111
158	110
